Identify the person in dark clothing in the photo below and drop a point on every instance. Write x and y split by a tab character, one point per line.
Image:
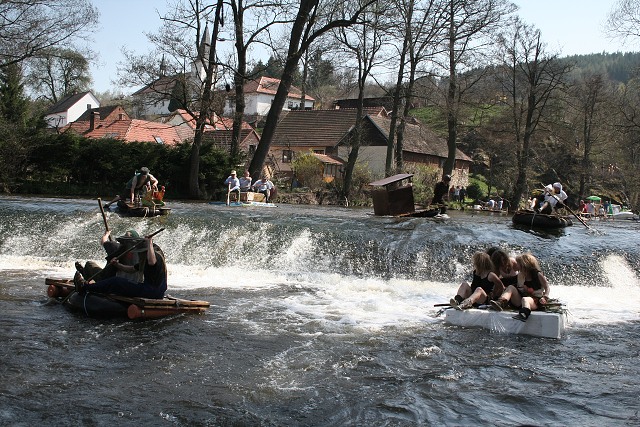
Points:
141	179
154	269
440	190
92	270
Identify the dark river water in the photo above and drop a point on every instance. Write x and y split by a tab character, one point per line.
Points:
320	316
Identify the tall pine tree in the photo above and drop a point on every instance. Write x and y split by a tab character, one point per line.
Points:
13	103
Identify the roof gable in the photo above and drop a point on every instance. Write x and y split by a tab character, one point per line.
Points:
68	102
314	128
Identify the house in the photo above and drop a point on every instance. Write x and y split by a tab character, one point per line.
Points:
259	94
217	129
327	132
69	109
154	99
114	123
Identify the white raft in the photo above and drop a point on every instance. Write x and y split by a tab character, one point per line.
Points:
539	323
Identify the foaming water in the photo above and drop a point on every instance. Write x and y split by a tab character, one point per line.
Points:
319	316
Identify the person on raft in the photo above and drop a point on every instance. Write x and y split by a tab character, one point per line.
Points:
440	190
91	269
485	284
233	184
154	269
531	292
140	180
554	198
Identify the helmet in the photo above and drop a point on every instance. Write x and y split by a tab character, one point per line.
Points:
447	177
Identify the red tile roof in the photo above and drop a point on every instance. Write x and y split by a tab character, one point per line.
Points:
269	86
127	130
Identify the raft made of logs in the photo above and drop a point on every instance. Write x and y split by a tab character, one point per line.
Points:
101	305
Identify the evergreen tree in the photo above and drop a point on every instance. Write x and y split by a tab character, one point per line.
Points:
13	103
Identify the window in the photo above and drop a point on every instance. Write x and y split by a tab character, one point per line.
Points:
318	151
158	139
287	156
290	105
252	150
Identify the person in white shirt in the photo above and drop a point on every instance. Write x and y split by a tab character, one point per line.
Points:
233	183
554	198
245	182
264	186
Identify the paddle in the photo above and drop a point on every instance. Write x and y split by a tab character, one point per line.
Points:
229	195
569	209
104	217
118	257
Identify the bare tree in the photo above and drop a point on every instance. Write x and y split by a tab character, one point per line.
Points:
591	98
31	27
421	33
58	73
363	41
312	20
624	20
263	15
471	27
530	78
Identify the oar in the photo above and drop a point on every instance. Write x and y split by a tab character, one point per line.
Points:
229	195
118	257
569	209
104	217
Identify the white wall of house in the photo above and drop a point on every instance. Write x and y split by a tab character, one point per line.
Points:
152	104
373	156
88	101
260	103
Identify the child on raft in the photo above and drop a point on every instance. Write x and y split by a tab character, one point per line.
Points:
485	284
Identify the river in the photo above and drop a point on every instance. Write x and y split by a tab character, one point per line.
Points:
320	316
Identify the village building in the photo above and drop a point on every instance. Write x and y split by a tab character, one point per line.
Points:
154	100
326	133
259	95
218	129
114	123
70	109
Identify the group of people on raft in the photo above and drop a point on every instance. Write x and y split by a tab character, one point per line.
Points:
501	281
244	184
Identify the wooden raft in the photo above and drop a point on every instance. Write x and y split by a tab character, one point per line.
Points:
139	308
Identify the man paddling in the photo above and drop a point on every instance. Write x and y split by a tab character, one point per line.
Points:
153	285
553	199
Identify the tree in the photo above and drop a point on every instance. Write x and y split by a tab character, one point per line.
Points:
57	73
309	24
530	78
421	33
469	30
590	101
624	19
13	103
245	38
28	28
363	41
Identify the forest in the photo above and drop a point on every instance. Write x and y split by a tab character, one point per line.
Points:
472	70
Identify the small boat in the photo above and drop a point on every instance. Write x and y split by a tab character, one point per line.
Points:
547	324
130	209
534	219
624	215
116	306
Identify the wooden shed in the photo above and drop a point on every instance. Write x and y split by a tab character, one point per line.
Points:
393	195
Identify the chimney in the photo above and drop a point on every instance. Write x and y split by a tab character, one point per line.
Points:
93	115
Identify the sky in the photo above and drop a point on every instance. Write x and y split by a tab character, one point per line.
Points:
567	26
